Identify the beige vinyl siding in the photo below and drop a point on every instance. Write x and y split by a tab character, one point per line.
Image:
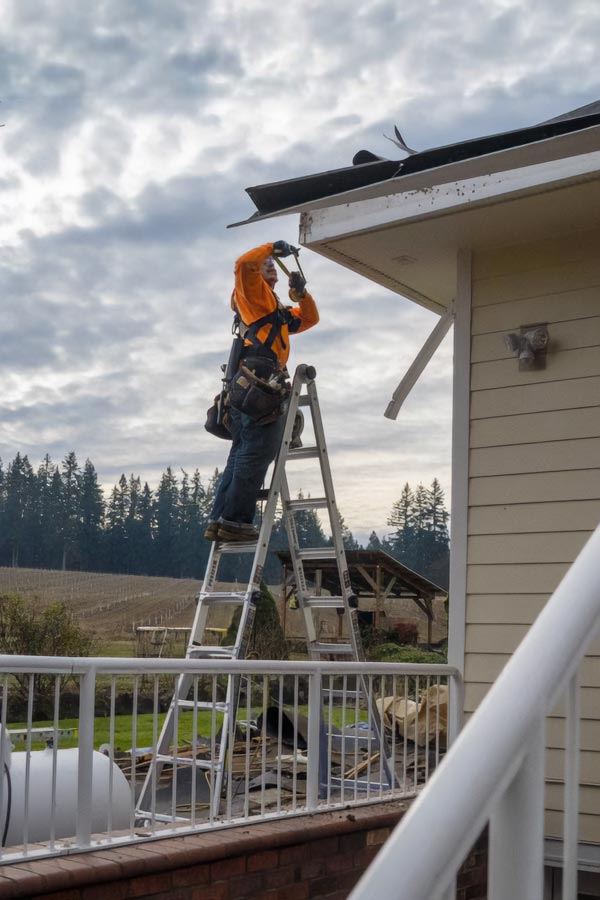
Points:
534	474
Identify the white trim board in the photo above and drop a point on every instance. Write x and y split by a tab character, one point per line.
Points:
426	202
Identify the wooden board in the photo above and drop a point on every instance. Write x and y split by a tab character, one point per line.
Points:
504	609
534	255
553	547
515	579
562	307
535	487
549	456
486	666
561	364
547	280
522	518
574	393
535	428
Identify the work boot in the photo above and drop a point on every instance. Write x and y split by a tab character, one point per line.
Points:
237	531
212	531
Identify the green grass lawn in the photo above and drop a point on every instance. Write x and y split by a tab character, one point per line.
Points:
144	735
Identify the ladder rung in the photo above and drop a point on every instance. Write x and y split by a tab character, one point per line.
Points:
208	651
238	547
353	784
352	695
341	649
224	597
324	602
316	553
304	453
203	704
187	761
309	503
158	817
304	400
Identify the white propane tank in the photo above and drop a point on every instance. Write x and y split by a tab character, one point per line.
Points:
39	814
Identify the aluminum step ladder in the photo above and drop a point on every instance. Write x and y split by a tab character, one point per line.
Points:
208	598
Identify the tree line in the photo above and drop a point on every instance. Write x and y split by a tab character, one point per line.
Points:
57	517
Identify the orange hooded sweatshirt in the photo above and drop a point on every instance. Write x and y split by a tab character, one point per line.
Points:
253	299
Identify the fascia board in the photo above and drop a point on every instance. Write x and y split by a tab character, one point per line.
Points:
561	146
439	199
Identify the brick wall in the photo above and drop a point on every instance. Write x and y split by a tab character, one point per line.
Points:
320	856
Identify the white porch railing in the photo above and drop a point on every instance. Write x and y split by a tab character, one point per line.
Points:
495	770
304	742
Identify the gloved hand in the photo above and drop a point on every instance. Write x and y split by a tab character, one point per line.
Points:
297	284
282	248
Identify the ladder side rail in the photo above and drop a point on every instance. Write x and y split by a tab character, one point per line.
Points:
275	487
344	575
248	612
184	683
332	508
298	568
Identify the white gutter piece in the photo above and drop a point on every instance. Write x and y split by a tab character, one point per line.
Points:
420	363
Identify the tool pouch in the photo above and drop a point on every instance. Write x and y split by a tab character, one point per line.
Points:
259	390
216	419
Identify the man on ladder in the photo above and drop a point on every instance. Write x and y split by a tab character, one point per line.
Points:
257	427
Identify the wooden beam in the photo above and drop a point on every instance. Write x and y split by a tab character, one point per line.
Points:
391	584
370	581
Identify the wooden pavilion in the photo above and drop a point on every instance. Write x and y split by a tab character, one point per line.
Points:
375	576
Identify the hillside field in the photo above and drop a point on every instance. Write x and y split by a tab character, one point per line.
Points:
113	606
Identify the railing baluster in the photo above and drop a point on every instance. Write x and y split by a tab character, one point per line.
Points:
5	750
54	761
571	791
86	758
313	749
28	761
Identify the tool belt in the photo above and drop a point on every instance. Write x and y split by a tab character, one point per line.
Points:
259	388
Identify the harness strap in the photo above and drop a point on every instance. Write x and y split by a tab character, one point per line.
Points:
276	319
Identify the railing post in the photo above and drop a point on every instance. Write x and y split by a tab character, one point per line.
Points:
456	692
571	795
87	696
516	848
314	729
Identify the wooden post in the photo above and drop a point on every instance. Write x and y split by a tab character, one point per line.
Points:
284	600
378	601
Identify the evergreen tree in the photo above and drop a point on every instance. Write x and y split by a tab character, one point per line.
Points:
91	519
167	525
140	528
116	534
46	538
3	531
374	542
71	479
55	520
190	523
420	540
18	509
402	539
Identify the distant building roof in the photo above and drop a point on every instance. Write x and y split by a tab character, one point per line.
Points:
407	583
369	169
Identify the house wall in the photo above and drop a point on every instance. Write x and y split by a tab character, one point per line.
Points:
534	473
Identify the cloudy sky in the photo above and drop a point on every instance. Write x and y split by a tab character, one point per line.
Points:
132	127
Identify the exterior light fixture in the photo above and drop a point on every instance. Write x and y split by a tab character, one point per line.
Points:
529	345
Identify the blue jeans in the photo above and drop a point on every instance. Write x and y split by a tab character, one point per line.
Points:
253	448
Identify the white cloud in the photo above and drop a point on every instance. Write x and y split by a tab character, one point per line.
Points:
131	132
